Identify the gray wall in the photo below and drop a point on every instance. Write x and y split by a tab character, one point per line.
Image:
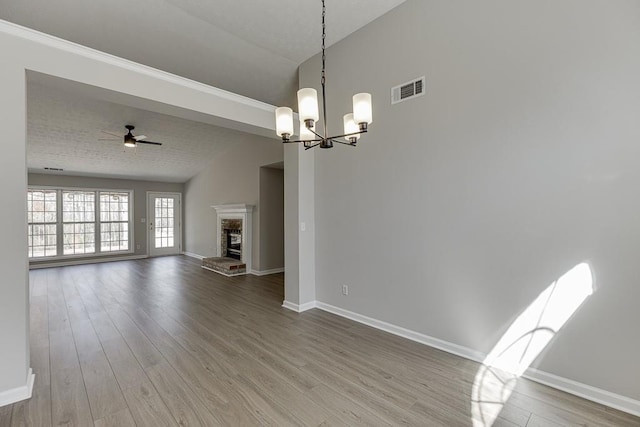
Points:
233	177
299	211
14	288
521	161
271	218
139	188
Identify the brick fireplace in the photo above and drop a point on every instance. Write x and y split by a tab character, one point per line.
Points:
234	237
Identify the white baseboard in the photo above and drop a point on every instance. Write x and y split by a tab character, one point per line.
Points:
192	255
588	392
299	308
267	272
585	391
254	272
85	261
458	350
19	393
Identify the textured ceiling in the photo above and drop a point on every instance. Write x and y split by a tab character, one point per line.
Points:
64	128
248	47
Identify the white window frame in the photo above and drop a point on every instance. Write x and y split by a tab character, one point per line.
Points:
73	223
32	223
129	222
59	216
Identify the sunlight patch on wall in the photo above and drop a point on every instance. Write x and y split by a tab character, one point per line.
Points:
527	336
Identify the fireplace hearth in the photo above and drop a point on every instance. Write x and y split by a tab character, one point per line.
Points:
233	255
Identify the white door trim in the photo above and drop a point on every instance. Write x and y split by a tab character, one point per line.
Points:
179	235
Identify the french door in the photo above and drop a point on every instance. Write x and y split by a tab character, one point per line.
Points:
164	224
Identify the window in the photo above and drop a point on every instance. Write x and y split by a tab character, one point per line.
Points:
42	208
70	222
78	222
114	221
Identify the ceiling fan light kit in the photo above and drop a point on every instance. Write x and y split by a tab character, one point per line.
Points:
131	141
355	124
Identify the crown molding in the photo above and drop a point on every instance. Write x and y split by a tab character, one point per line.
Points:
41	38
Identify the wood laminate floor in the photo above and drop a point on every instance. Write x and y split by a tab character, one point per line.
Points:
162	342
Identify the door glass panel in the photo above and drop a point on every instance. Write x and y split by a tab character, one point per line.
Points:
164	222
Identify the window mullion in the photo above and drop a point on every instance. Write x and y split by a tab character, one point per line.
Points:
97	227
59	228
132	237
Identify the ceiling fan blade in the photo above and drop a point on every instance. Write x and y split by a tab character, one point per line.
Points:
149	142
112	134
108	139
140	138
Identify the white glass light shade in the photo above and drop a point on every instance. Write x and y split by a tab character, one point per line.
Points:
308	104
130	144
306	134
362	111
284	121
351	128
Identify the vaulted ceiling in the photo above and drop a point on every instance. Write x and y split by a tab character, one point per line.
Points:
252	48
248	47
65	124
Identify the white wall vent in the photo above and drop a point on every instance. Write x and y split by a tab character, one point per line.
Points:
408	90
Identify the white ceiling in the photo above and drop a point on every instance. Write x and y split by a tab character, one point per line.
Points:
64	127
248	47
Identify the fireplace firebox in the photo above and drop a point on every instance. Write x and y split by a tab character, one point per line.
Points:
234	244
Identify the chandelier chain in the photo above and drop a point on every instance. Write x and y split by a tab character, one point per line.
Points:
324	35
324	76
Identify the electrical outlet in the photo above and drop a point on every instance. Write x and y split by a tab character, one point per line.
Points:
303	226
345	290
137	246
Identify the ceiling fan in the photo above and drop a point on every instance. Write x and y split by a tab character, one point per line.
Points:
130	140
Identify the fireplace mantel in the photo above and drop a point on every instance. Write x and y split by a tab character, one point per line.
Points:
242	212
239	208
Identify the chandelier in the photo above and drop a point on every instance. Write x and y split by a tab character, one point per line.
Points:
355	124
